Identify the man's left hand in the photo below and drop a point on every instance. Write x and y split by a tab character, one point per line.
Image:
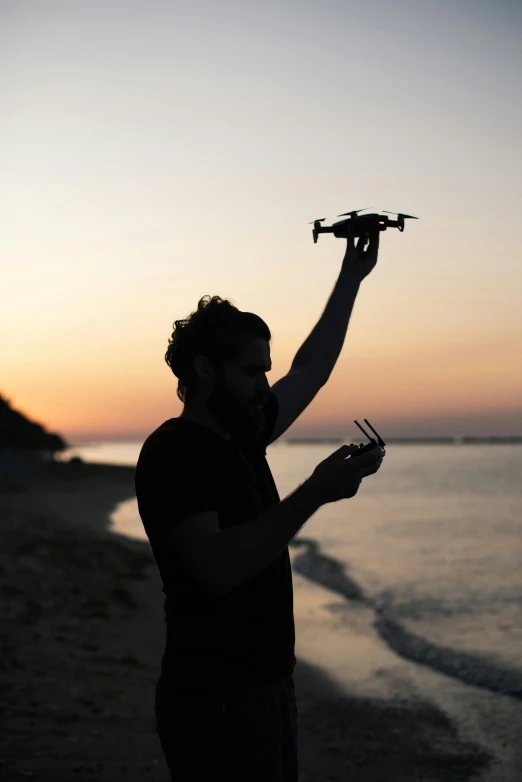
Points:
358	261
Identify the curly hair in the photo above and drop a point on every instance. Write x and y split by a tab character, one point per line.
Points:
217	330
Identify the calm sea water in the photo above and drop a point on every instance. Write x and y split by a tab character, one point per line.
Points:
433	542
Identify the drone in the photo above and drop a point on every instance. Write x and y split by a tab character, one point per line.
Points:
357	226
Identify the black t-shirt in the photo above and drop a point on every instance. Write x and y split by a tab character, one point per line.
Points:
216	644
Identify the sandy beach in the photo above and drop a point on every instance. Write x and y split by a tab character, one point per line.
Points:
82	634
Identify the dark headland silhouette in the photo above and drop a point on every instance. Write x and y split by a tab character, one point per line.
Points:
25	443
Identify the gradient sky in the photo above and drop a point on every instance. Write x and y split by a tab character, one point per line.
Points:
154	152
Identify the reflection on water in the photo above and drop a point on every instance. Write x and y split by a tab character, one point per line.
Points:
105	453
126	520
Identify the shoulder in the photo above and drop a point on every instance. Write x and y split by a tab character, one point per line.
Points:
163	443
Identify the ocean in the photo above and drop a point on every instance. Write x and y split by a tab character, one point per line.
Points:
432	542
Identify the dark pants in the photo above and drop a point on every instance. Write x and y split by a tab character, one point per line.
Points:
251	737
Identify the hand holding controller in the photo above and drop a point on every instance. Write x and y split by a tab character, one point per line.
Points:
371	445
339	475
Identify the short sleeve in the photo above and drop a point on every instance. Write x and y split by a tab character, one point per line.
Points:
172	480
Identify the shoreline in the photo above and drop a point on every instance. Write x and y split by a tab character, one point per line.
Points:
82	610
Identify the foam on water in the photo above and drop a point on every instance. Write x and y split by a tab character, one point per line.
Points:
474	669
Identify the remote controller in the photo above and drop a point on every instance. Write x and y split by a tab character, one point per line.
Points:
373	442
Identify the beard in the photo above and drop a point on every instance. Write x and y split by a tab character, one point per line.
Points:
244	420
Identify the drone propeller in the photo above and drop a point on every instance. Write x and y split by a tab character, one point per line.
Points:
399	213
317	221
354	211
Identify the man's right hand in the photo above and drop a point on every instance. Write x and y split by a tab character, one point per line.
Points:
338	477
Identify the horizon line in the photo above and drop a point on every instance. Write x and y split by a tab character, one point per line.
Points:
325	438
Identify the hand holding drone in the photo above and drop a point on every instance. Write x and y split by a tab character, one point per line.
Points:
355	226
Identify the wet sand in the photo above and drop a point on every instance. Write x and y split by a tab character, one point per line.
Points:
82	634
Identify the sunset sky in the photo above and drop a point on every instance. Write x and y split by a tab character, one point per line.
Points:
154	152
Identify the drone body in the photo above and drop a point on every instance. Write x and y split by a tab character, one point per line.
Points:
356	225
